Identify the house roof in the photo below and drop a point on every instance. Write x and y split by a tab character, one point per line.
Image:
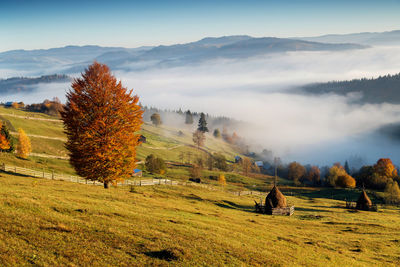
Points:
259	163
136	170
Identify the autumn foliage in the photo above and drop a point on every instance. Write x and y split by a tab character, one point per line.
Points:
385	167
24	144
101	118
6	143
296	172
221	179
337	176
199	138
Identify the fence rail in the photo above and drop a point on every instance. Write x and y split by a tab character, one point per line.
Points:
133	182
78	179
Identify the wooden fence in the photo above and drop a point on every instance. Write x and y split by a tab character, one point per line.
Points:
78	179
132	182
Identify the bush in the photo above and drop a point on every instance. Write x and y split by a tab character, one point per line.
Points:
222	180
337	176
195	171
220	162
155	165
392	193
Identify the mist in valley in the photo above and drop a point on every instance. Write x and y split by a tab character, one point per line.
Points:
262	93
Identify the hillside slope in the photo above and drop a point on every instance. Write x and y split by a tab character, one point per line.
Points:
376	90
44	222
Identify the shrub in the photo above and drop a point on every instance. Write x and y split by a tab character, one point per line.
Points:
220	162
195	171
222	180
155	165
392	193
337	176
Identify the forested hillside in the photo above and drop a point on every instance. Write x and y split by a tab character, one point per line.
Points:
24	84
377	90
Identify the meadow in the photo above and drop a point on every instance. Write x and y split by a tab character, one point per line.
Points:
49	223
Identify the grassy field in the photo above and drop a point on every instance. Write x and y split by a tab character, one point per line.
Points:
163	141
51	223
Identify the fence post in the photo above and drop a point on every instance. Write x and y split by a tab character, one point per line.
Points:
4	166
140	182
15	169
52	175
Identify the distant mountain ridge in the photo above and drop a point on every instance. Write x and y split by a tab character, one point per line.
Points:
73	59
24	84
366	38
384	89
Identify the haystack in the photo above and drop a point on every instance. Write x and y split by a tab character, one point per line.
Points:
363	202
275	199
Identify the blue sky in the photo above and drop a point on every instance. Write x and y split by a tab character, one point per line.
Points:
44	24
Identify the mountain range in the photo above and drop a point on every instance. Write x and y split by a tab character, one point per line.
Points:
73	59
366	38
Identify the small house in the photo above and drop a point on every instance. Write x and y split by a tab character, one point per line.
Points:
142	139
137	173
238	159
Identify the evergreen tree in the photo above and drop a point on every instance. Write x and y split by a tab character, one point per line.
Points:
346	167
189	117
202	123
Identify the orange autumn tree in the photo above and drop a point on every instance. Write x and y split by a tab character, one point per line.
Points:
101	120
6	142
24	144
385	167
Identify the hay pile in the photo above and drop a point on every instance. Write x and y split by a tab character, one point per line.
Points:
363	202
275	199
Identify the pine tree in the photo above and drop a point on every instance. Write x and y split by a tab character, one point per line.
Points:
101	120
202	123
346	167
24	145
189	117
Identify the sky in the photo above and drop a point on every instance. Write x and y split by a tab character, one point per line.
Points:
40	24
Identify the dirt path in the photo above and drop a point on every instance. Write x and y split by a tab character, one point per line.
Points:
48	156
42	136
164	148
29	118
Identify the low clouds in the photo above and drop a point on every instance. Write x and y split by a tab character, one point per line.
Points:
260	91
310	129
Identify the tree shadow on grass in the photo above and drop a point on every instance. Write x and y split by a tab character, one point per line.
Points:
16	174
232	205
311	210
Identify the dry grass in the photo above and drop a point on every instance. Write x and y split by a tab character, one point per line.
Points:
49	223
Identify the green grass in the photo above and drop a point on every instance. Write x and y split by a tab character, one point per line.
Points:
48	223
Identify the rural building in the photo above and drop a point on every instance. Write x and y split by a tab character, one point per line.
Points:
238	159
137	173
142	139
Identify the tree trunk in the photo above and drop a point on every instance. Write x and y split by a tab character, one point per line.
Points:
106	185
